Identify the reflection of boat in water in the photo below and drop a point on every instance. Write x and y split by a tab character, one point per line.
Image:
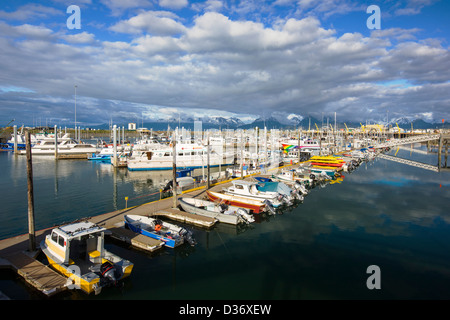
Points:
171	234
220	211
77	251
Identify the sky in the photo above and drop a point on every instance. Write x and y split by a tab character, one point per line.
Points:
148	60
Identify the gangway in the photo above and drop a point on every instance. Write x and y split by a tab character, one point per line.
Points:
410	162
409	140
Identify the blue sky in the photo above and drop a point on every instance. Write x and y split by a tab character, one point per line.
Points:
161	59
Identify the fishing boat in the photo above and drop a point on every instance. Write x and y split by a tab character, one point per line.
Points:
282	188
77	251
220	211
324	173
171	234
250	190
254	205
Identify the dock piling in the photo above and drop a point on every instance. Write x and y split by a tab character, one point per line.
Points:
31	233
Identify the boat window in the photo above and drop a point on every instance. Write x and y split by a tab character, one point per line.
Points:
54	237
167	154
61	241
239	187
180	153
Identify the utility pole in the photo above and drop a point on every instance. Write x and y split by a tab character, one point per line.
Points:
31	233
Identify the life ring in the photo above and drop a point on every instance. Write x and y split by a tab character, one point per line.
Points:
158	227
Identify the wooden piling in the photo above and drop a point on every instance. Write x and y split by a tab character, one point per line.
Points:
31	233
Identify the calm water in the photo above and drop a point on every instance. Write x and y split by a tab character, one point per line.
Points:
386	214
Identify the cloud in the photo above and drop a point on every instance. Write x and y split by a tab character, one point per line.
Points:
30	12
152	22
173	4
118	6
216	62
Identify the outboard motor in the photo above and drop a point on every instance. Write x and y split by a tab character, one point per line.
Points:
223	207
188	237
248	218
297	195
108	272
269	207
168	186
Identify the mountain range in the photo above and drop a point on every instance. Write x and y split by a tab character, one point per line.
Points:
291	122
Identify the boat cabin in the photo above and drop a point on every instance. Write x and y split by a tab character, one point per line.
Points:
83	240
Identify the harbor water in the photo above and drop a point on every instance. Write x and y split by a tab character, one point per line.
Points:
383	214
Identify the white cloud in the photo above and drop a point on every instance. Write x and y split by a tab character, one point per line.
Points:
215	62
173	4
80	38
153	22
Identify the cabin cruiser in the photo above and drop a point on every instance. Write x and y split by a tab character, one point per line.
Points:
188	156
66	145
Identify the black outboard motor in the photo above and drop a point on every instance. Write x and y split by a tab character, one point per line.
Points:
108	272
223	207
188	237
168	186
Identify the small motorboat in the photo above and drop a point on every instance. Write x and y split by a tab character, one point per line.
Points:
77	251
248	189
223	212
255	205
171	234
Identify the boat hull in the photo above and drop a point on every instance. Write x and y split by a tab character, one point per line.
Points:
255	206
231	218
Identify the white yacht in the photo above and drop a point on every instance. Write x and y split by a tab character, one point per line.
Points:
66	145
188	156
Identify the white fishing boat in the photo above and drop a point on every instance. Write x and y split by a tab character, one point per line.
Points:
77	251
250	190
190	156
220	211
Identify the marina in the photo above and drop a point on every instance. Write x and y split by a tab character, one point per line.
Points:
259	194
